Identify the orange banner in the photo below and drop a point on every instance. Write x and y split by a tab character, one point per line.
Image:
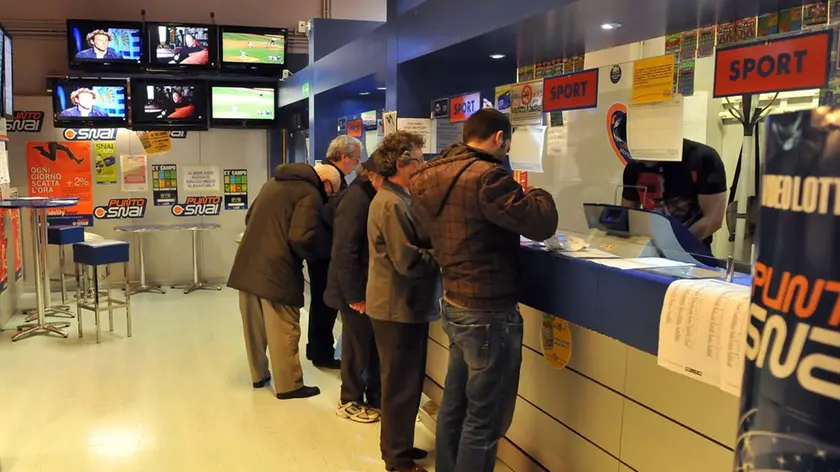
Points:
62	170
354	128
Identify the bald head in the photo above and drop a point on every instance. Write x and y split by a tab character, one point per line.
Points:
329	176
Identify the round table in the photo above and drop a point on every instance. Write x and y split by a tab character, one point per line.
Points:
137	232
196	229
38	207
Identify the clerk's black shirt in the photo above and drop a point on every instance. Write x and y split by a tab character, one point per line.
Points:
672	188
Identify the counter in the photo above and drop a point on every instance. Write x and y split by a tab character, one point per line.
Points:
612	409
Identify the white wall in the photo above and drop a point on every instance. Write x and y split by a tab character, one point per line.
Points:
368	10
168	254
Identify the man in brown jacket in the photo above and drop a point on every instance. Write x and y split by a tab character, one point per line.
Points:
474	213
282	228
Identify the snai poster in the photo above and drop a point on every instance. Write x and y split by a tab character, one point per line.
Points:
236	189
62	170
105	153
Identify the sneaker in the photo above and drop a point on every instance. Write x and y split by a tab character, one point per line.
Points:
357	412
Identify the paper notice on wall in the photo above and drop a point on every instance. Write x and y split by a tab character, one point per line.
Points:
526	103
527	147
105	154
447	134
135	173
389	122
695	113
198	179
155	142
421	126
655	130
702	332
4	167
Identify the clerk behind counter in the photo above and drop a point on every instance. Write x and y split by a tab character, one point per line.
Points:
693	191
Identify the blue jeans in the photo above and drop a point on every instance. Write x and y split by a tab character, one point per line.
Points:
479	396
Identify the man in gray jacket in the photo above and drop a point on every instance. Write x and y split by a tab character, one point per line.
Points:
401	298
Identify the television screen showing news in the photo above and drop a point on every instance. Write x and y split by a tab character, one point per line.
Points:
89	100
252	48
243	103
91	41
181	45
170	102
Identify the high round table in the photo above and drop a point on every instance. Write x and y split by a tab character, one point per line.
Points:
196	228
38	207
137	231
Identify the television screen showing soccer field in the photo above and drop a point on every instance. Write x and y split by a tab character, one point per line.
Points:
243	103
252	48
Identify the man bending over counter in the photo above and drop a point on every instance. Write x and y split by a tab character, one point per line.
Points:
693	191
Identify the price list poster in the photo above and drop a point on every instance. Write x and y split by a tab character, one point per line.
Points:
236	189
62	170
164	184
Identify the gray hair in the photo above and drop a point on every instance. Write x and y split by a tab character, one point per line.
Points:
342	146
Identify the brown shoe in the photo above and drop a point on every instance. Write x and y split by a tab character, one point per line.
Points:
406	468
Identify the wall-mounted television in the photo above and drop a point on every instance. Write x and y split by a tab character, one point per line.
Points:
167	104
8	79
83	103
253	49
95	44
243	106
182	46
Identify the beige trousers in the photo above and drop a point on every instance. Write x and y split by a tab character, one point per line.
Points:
276	327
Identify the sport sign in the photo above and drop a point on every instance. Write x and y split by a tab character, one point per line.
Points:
573	91
794	63
463	106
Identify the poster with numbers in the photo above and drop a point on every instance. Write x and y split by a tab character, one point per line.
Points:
236	189
164	184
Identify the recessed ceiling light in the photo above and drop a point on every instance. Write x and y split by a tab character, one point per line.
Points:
497	56
380	88
610	26
364	93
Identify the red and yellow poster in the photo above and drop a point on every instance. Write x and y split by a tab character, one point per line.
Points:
62	170
14	216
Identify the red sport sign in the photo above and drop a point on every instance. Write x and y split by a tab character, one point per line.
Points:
795	63
574	91
463	106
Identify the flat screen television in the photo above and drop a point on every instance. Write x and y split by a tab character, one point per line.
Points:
93	44
8	79
244	106
182	46
167	104
82	103
261	50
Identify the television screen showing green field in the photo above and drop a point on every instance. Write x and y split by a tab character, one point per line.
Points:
243	103
251	48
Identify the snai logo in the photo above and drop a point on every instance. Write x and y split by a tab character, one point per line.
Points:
119	208
198	206
178	134
90	134
26	122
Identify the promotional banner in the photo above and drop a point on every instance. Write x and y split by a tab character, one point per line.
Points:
62	170
653	80
198	206
463	106
164	184
573	91
790	400
199	179
155	142
26	122
236	189
90	134
526	101
556	342
369	120
14	217
502	98
121	208
355	128
135	175
106	162
440	108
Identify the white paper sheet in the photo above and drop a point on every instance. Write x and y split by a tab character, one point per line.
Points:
589	253
527	147
695	113
200	178
421	126
4	167
655	131
447	134
625	264
702	331
660	262
389	122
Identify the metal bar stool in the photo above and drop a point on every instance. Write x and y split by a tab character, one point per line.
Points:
95	254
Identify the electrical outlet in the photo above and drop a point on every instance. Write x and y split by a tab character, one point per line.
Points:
301	27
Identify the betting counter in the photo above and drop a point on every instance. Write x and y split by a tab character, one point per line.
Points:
612	407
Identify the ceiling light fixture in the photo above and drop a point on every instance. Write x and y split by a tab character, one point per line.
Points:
364	93
380	88
497	56
610	26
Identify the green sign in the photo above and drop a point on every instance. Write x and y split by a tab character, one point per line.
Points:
305	89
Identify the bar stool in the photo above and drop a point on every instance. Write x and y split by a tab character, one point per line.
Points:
62	236
87	295
94	254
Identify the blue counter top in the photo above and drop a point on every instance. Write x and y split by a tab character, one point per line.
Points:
621	304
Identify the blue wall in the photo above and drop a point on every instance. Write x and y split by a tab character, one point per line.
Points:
330	109
327	35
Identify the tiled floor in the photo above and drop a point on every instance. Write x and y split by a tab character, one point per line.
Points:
175	397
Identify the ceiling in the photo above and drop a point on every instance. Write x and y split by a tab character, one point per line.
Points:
576	28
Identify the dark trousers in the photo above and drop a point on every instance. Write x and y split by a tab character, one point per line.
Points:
359	360
479	395
402	355
320	346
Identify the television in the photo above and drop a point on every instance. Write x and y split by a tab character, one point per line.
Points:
248	106
182	46
104	45
167	104
261	50
82	103
8	78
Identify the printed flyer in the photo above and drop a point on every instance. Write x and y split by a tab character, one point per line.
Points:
105	153
62	170
135	173
236	189
526	103
164	184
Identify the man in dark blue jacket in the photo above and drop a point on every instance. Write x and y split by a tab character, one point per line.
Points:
346	283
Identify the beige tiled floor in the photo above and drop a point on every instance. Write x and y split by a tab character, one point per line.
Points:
175	397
